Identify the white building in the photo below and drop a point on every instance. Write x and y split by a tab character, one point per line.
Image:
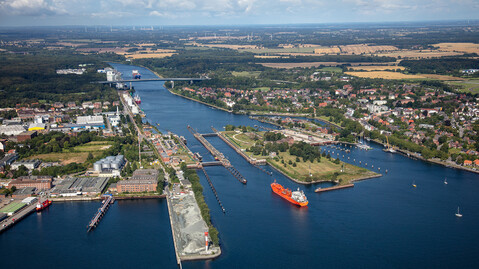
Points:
90	120
11	129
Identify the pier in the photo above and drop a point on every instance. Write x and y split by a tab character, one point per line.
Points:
213	189
216	153
334	188
101	212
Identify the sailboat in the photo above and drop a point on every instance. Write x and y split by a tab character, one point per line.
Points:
459	215
414	184
445	180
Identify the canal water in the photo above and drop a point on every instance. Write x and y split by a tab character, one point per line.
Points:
380	223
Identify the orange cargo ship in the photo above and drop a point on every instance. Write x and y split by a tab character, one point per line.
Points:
294	197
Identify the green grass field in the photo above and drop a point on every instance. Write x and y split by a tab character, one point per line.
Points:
471	86
77	154
304	171
249	74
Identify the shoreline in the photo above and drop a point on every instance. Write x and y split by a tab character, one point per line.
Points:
412	155
201	102
251	160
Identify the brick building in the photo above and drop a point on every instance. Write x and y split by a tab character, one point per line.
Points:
40	183
138	185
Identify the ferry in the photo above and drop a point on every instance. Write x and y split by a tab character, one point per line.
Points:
295	197
136	74
41	206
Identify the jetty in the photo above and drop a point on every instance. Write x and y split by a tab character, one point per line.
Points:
334	188
221	159
108	200
213	189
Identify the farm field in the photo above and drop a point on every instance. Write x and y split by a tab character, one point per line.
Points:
377	68
461	47
384	75
417	54
315	64
148	55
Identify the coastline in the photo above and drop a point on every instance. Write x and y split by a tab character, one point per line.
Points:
412	155
201	102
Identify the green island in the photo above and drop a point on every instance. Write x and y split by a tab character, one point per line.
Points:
300	161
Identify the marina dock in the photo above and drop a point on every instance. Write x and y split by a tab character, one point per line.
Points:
101	212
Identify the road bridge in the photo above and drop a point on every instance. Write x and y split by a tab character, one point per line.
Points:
150	79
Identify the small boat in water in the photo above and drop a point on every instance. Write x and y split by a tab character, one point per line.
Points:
445	181
458	214
414	184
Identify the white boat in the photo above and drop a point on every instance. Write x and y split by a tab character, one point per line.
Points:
414	184
445	181
459	215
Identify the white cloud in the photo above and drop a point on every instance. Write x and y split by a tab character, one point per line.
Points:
112	14
31	7
162	14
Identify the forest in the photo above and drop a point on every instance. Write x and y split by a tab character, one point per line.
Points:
31	78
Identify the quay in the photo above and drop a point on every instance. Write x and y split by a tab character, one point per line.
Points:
334	188
218	155
15	218
101	212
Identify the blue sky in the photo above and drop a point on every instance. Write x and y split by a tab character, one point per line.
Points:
201	12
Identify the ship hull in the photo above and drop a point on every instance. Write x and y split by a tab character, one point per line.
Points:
43	205
279	190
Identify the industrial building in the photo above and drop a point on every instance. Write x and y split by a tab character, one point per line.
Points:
90	120
8	159
24	192
36	126
11	129
40	182
145	174
136	185
80	186
27	135
29	164
110	166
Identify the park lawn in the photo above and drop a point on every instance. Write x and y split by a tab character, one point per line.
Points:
244	142
92	146
471	85
322	171
65	157
249	74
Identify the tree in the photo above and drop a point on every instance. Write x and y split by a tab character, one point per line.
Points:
90	156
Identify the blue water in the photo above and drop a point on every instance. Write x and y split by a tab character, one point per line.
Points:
380	223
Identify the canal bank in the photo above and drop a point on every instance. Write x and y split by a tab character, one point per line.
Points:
352	228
